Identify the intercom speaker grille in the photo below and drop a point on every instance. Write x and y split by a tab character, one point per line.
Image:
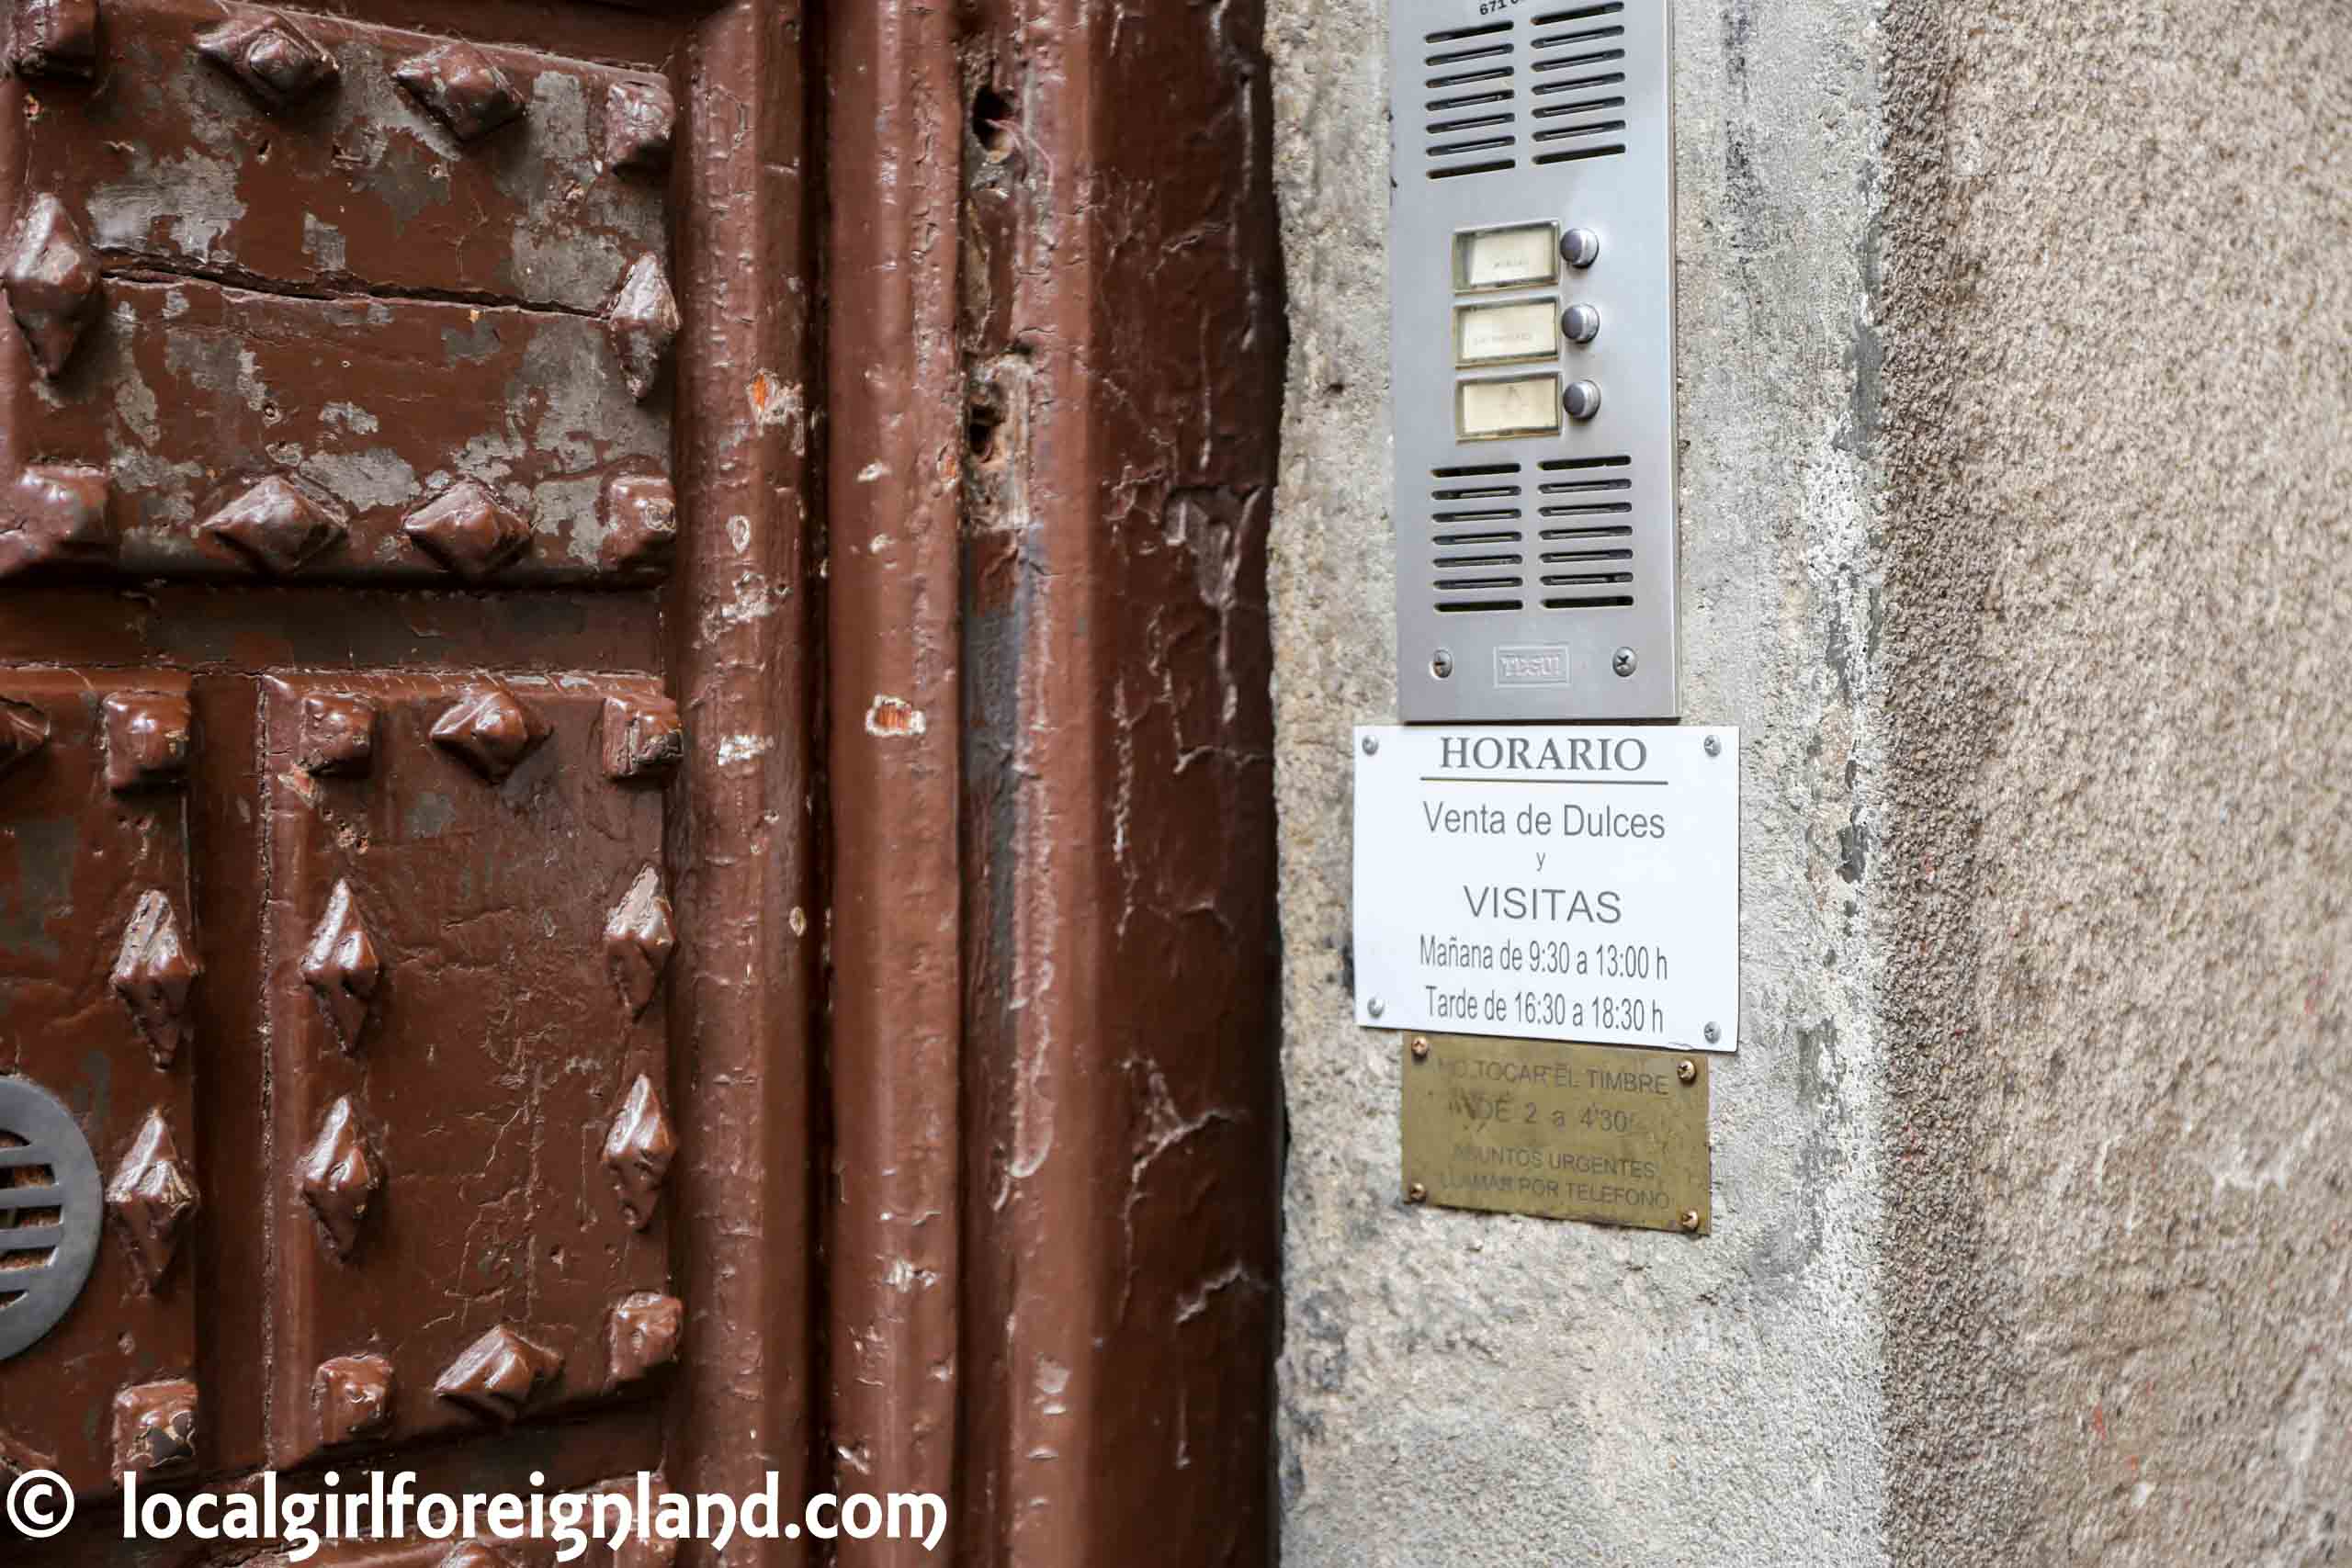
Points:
1470	100
1569	547
1577	69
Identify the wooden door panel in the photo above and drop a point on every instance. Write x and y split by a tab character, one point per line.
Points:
202	401
168	158
432	1156
94	916
468	933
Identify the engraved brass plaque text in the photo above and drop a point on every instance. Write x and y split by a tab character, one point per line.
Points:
1593	1132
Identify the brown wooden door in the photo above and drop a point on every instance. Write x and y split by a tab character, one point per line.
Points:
404	822
635	809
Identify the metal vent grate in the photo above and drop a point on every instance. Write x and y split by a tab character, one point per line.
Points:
1584	509
1471	102
1478	534
48	1212
1577	66
1581	555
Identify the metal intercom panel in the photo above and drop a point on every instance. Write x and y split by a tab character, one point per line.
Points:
1532	273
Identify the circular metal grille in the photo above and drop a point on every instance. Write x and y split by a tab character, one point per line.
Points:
51	1209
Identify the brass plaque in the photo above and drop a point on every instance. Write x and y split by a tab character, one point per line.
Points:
1596	1132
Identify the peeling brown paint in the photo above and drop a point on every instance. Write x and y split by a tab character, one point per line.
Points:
743	627
893	395
934	921
1117	460
176	167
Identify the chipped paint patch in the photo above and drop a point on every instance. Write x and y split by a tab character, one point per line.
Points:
752	600
894	719
797	920
134	404
777	404
738	533
192	197
324	244
351	416
872	472
380	477
736	749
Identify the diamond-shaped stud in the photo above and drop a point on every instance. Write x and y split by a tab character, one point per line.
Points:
462	88
153	974
637	1152
640	738
640	523
491	729
642	1335
338	734
497	1374
149	737
274	526
57	515
340	1178
52	283
467	531
271	57
155	1427
56	38
639	117
643	324
352	1398
639	940
149	1200
342	966
24	729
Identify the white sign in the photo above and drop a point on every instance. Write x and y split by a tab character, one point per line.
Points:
1554	882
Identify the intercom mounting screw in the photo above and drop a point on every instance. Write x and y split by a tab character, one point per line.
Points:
1714	747
1417	1193
1372	745
1375	1007
1442	664
1420	1047
1713	1034
1690	1221
1625	664
1687	1072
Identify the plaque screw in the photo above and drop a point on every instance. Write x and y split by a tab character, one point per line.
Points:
1417	1193
1375	1007
1687	1072
1714	747
1625	664
1420	1047
1442	664
1690	1222
1713	1034
1372	745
